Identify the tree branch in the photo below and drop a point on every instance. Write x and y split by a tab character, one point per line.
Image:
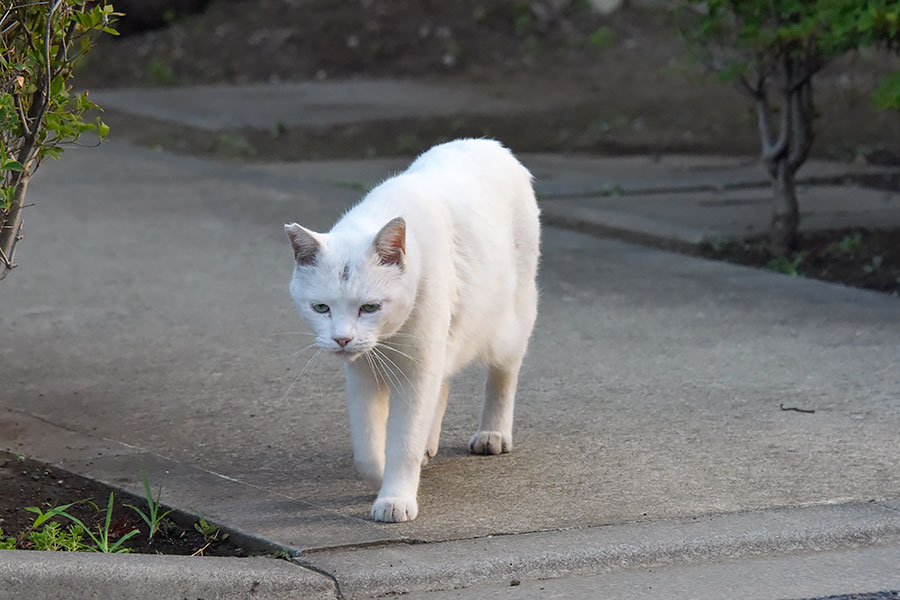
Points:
18	102
777	150
802	105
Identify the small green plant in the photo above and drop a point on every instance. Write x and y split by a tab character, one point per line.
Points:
356	186
152	517
43	517
210	532
54	538
102	541
887	95
523	20
602	38
7	543
409	143
849	244
277	129
160	72
787	264
234	144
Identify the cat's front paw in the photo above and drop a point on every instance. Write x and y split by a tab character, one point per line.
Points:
490	442
395	509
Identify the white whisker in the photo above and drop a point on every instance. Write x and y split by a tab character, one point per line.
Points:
398	344
384	345
291	333
402	334
374	371
300	374
304	349
396	366
387	371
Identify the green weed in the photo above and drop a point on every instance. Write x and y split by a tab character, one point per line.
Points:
102	541
152	517
53	538
210	532
786	264
356	186
161	73
7	543
849	245
601	38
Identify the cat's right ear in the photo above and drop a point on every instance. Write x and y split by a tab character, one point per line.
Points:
306	246
390	243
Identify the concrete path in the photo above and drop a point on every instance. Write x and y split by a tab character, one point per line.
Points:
219	108
669	201
150	326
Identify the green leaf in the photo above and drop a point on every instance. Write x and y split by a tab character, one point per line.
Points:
887	95
102	129
13	165
53	152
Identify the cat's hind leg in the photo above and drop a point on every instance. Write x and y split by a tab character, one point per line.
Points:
435	437
503	359
494	435
367	401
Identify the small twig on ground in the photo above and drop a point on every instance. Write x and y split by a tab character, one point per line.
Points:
199	551
795	409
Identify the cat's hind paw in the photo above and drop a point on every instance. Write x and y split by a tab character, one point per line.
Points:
490	442
395	510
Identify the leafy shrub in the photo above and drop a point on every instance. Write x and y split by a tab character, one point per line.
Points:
41	42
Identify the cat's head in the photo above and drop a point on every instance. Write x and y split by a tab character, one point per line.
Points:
352	290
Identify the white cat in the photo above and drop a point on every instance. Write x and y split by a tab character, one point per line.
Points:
433	268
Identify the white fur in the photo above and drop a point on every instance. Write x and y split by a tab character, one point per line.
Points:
465	290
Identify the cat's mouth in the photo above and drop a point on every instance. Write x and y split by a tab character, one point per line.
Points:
348	355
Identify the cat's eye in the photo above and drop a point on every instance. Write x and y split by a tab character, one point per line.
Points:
370	308
320	308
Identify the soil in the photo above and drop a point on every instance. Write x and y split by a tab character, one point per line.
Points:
855	257
27	482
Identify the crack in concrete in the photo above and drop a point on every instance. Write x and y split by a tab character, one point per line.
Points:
310	567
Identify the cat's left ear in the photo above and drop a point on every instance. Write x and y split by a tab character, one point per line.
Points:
390	243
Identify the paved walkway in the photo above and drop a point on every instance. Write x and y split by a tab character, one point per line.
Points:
671	201
219	108
150	326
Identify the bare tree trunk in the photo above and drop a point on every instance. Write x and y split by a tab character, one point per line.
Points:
11	232
785	150
785	211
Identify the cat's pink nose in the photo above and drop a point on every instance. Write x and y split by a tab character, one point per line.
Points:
342	341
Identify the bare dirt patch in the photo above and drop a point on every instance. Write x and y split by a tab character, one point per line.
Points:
856	257
27	482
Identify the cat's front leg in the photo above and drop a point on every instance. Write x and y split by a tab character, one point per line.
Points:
367	401
409	428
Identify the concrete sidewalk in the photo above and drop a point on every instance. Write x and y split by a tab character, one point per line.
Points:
261	106
150	326
669	201
672	201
